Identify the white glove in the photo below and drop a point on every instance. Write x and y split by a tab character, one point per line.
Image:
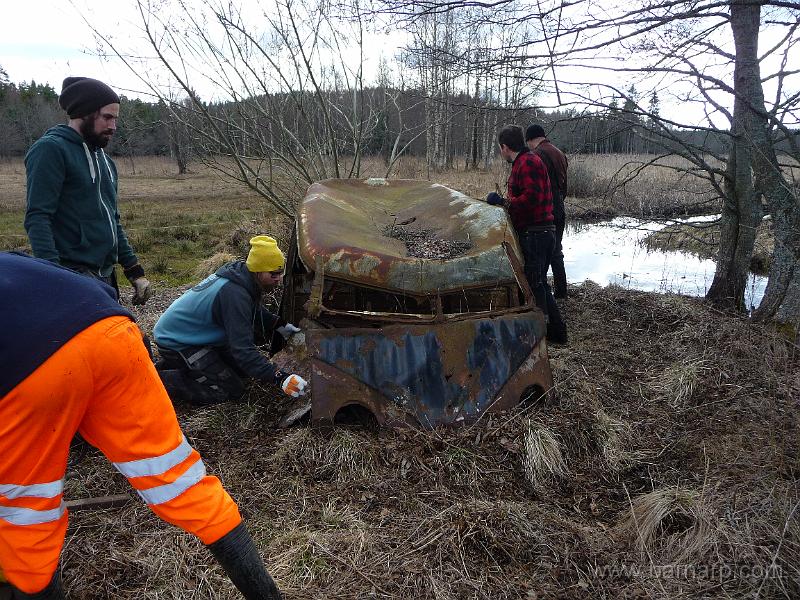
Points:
294	386
287	330
142	290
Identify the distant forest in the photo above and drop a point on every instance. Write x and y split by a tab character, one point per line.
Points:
27	110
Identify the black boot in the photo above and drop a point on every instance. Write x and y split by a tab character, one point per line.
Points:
557	335
53	591
237	554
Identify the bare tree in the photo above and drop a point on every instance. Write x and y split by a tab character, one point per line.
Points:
703	56
285	101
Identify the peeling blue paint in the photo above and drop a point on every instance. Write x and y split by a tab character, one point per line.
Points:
408	368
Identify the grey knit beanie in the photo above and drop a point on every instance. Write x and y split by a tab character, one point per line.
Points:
81	96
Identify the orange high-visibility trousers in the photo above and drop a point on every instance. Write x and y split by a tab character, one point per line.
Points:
102	384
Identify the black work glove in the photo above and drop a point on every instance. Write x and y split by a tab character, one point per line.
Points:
495	199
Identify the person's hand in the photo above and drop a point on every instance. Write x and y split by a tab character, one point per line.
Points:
495	199
294	386
287	330
142	290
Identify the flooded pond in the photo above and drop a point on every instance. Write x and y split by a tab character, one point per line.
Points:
612	252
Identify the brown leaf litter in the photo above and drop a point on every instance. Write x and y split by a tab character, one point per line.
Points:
667	466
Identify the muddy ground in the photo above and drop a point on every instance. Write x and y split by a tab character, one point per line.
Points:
667	465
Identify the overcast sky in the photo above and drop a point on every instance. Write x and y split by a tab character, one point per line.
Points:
47	40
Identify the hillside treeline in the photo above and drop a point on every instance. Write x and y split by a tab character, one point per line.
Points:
400	119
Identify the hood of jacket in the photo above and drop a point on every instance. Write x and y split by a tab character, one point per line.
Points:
238	273
66	132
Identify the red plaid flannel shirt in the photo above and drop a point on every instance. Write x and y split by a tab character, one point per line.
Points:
530	201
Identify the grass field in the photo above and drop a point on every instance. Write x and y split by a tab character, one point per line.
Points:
172	222
667	465
175	222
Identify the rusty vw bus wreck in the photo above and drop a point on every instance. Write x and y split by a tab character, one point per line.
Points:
415	305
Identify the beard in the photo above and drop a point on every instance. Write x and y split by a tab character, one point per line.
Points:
90	136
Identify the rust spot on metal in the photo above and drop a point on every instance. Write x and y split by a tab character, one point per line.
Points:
344	222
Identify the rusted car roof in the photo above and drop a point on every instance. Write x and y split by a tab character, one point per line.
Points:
343	223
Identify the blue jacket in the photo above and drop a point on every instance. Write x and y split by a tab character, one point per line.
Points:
72	215
222	311
42	307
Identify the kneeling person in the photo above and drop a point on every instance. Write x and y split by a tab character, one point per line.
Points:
207	337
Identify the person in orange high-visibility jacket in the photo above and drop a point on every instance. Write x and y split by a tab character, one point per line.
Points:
73	361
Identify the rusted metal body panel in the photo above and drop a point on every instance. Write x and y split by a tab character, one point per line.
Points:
428	374
414	341
342	221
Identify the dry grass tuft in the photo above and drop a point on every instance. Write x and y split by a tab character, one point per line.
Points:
343	455
212	263
677	383
494	530
613	437
673	524
542	459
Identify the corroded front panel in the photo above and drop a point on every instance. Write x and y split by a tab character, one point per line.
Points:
428	374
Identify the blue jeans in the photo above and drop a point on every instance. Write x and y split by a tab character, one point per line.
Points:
537	248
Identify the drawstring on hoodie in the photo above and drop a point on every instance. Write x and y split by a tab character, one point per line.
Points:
99	192
90	161
108	166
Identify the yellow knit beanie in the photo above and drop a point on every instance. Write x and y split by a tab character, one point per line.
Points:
264	255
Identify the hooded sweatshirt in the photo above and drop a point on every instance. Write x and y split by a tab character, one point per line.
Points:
221	311
72	215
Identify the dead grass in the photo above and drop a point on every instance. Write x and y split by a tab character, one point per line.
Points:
671	525
212	263
543	460
702	239
676	384
651	498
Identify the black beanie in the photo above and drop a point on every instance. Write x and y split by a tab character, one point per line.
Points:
81	96
533	132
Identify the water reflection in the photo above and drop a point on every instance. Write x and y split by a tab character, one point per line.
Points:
612	252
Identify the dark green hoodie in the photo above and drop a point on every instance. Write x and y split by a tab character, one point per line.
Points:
72	216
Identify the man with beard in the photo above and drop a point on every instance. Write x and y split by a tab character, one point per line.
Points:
72	217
